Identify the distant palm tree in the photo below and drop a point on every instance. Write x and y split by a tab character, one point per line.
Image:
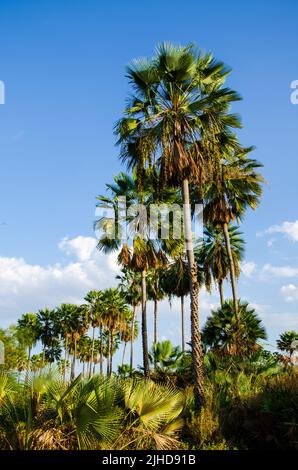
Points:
130	286
93	307
288	341
27	331
222	329
175	282
115	313
48	334
156	293
211	254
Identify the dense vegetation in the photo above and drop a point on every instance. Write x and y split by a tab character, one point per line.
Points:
221	390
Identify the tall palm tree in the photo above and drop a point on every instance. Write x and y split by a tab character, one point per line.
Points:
221	331
145	253
211	253
27	331
235	187
178	97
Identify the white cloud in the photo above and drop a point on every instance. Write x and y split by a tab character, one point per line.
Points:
81	247
287	228
279	271
289	292
248	268
26	287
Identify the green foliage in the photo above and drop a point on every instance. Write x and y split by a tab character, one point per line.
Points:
288	342
165	355
220	329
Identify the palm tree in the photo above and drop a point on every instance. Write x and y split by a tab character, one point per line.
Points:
288	341
155	293
130	286
49	329
178	98
175	282
74	323
115	312
221	331
235	187
85	352
64	313
144	254
93	299
129	331
165	355
27	330
211	254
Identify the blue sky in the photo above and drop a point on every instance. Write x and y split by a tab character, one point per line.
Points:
63	65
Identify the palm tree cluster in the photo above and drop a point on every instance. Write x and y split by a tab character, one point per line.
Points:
177	137
106	315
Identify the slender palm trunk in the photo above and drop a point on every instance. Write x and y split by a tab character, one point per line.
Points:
182	323
43	357
101	351
28	365
221	294
83	368
132	336
144	327
111	353
65	359
123	354
73	364
196	344
155	326
155	319
92	352
232	269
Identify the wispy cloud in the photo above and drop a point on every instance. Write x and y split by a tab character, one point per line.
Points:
289	292
289	229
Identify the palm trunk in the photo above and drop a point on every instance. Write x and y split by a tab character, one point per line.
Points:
111	353
28	365
155	327
144	327
196	344
155	320
83	369
101	351
232	270
132	336
123	355
182	323
73	364
221	294
92	353
65	359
